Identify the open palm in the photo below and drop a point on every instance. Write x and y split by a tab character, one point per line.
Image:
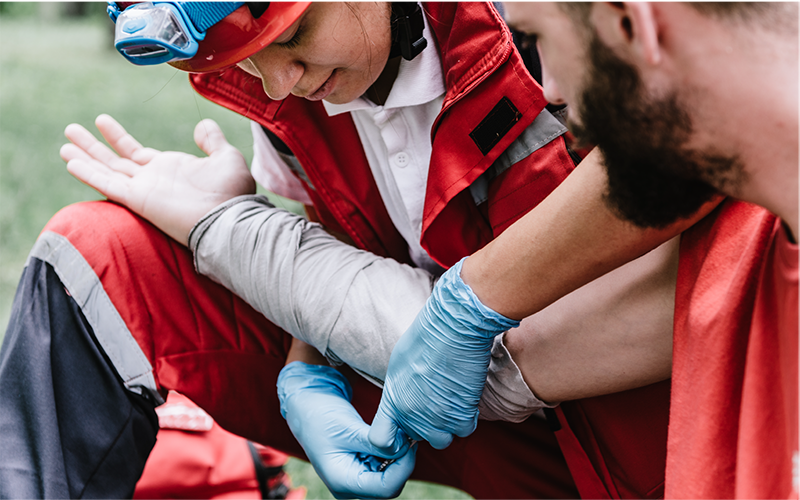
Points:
171	190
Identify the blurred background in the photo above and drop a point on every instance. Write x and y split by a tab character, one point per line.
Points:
58	66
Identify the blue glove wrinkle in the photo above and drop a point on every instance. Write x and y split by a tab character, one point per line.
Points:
438	367
455	300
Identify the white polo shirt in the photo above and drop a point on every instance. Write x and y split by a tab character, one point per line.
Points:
396	140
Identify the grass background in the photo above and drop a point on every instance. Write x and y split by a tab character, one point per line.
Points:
56	70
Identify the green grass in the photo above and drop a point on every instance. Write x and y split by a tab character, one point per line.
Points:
303	474
43	89
53	73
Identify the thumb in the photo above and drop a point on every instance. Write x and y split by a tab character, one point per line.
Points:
362	444
438	439
383	432
209	137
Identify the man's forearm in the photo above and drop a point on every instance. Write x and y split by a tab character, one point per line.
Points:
610	335
568	240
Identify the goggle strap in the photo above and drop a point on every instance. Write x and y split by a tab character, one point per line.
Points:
206	14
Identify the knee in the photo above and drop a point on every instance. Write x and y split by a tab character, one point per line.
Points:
99	222
102	229
85	216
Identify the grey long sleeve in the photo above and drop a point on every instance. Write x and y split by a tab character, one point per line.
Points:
350	304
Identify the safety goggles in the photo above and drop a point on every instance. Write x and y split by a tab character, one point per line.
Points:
159	32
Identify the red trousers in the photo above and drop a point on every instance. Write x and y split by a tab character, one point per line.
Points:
205	342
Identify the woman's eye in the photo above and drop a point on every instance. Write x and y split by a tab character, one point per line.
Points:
295	41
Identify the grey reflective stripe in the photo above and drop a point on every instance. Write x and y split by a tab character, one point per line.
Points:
294	166
110	330
544	129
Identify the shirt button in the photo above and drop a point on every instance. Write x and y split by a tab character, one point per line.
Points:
401	160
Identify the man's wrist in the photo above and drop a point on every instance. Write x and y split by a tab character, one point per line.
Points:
458	302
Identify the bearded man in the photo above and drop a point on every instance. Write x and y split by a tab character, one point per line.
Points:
685	102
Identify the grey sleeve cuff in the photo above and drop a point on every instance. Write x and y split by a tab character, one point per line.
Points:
202	226
506	396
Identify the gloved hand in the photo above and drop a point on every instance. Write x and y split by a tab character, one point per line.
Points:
437	369
315	401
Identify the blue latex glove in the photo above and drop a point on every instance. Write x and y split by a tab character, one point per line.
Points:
315	401
438	368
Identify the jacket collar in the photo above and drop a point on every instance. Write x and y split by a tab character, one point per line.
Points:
457	29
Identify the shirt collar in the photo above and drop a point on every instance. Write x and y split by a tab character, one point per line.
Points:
418	81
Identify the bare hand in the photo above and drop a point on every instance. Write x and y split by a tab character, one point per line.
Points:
171	190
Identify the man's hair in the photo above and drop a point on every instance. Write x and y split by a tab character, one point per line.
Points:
578	11
739	11
769	15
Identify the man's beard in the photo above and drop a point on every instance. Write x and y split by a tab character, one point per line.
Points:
653	178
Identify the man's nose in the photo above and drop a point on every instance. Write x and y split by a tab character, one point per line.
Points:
551	91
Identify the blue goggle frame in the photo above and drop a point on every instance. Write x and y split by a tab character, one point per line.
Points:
157	32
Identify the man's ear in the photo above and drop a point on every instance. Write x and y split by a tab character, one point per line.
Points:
630	29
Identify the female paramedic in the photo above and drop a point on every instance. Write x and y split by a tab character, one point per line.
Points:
416	133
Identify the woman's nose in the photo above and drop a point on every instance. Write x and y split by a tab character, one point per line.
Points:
278	75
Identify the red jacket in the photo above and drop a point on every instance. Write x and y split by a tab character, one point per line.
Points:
489	94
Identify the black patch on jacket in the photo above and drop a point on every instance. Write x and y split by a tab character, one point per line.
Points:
495	125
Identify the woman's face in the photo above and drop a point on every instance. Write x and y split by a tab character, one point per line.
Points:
334	51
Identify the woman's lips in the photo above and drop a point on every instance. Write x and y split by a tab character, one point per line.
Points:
325	89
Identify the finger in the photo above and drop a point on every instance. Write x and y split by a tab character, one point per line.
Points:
466	428
99	176
89	143
85	140
383	431
70	152
116	136
398	448
209	137
438	439
123	142
144	155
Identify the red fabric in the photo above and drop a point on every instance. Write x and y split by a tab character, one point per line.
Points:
206	343
768	433
616	444
734	421
200	464
480	67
